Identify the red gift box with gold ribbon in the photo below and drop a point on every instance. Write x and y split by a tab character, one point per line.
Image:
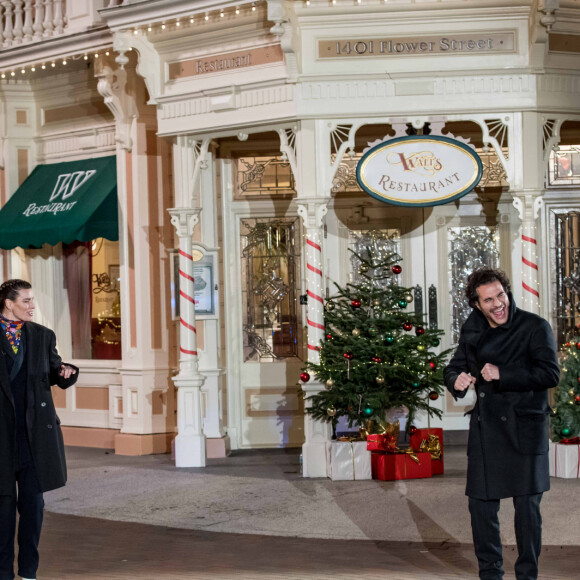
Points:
391	466
382	442
420	441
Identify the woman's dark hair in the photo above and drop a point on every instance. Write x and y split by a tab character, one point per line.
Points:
10	289
484	276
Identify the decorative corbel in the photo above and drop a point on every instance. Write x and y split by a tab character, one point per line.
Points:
548	19
184	220
112	86
312	211
283	30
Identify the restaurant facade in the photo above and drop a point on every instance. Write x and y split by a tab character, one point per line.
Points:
229	136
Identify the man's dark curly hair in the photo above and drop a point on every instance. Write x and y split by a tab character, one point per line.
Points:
483	276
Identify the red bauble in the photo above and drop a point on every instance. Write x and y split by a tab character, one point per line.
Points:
376	359
355	303
433	395
348	355
329	336
567	345
579	379
578	345
304	377
407	325
432	365
419	330
396	269
413	430
577	398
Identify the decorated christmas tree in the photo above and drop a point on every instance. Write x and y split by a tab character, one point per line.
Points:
378	354
566	415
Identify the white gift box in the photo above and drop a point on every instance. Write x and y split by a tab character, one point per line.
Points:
564	460
349	460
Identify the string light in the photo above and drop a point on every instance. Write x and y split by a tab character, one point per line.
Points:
53	64
33	69
149	29
23	71
222	14
177	23
136	31
43	67
64	61
12	74
163	26
207	17
86	57
253	7
3	75
107	53
237	10
96	55
192	20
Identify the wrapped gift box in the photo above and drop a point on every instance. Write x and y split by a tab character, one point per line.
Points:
390	466
381	442
564	460
349	460
437	467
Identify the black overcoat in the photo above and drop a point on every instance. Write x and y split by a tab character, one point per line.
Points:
508	429
42	424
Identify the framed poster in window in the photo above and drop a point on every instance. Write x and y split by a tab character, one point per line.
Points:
204	287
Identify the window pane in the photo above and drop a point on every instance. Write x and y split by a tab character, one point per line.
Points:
106	303
270	286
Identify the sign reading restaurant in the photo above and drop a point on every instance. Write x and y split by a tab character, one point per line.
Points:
503	42
422	170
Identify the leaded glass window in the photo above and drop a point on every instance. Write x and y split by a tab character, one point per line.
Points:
263	176
469	247
564	166
270	287
383	243
566	284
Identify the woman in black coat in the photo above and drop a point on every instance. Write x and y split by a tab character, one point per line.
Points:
32	457
510	356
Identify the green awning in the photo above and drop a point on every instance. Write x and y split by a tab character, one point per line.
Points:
63	202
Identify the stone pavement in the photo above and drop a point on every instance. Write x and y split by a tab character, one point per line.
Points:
251	516
90	549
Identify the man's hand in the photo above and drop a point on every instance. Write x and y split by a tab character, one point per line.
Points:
463	381
490	372
66	371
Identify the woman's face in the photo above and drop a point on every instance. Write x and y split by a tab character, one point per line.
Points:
22	307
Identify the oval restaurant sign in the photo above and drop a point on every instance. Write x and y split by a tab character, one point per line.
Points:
421	170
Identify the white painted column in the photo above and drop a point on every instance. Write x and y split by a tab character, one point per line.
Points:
190	440
317	433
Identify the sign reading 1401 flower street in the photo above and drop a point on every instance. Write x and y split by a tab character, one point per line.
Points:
422	170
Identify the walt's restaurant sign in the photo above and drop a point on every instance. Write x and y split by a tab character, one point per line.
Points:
423	170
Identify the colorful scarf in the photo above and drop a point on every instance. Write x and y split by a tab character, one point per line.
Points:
13	331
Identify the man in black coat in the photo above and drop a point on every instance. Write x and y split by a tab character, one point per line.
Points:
509	355
31	446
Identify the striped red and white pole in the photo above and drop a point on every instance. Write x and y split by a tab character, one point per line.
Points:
530	278
315	291
188	333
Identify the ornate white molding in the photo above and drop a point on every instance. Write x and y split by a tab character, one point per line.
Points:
184	220
551	129
528	204
283	29
288	148
112	86
76	143
312	210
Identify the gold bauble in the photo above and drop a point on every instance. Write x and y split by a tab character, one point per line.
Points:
329	383
420	347
409	298
363	268
356	332
571	392
331	411
376	302
380	380
329	306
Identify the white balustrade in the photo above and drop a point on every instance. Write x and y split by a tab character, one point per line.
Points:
18	22
27	29
38	20
8	26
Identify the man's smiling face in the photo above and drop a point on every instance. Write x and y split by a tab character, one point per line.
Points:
493	302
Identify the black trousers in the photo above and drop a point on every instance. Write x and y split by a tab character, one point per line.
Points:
487	541
28	500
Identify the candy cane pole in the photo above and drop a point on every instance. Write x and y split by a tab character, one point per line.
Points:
190	440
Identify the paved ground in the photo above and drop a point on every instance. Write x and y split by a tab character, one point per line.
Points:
252	516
